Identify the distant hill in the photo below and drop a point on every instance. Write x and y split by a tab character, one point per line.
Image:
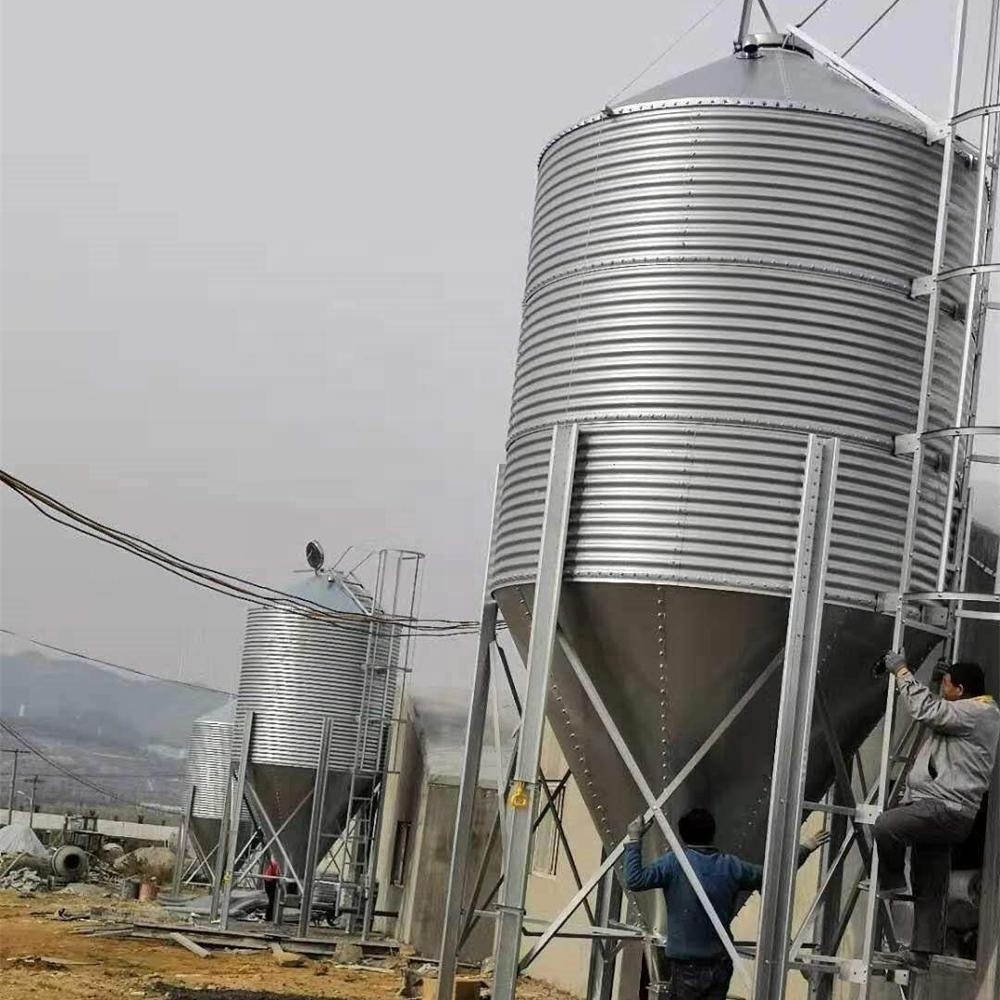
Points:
100	722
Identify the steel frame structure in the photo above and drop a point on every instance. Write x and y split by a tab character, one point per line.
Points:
781	948
203	864
525	784
391	603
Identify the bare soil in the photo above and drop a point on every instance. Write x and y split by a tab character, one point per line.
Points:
41	958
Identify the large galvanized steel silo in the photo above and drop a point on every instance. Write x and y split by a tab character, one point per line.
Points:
297	671
718	267
207	769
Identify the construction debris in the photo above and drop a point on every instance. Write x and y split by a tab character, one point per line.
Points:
186	942
24	881
347	953
286	959
45	961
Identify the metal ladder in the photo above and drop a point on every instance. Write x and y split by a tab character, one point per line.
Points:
942	608
393	594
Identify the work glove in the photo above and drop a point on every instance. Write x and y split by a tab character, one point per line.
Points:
816	841
941	669
635	829
888	663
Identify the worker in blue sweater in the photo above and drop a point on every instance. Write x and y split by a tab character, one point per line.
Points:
698	966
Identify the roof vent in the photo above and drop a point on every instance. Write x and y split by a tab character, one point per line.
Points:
751	45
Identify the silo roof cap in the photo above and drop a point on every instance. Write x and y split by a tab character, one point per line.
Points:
327	588
776	76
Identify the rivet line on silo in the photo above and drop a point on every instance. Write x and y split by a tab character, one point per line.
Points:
586	788
666	763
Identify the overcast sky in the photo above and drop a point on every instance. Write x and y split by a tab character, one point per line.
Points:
262	267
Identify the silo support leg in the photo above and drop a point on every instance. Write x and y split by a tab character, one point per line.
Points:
604	954
541	646
315	828
988	959
795	711
469	782
462	841
180	848
220	852
234	812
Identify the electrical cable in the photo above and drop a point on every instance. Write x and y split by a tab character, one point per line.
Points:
221	582
670	48
153	553
864	34
108	663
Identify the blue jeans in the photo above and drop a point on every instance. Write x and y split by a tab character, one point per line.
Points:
698	979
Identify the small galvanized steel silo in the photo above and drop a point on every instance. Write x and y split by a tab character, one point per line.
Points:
209	760
297	671
718	267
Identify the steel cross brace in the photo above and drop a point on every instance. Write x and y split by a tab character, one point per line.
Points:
274	835
615	854
473	916
639	778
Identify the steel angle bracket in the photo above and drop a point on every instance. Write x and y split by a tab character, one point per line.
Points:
887	603
853	970
866	813
904	444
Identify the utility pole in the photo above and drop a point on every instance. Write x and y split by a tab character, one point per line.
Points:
13	784
31	802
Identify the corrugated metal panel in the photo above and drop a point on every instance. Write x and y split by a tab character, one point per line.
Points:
703	505
740	266
209	759
296	672
741	184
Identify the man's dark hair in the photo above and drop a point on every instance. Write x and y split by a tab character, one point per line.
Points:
970	677
697	827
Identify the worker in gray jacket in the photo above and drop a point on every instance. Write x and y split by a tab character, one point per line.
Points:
945	786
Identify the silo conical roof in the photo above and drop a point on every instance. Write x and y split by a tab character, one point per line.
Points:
784	78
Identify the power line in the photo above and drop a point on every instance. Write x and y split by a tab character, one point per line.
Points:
107	663
11	731
221	582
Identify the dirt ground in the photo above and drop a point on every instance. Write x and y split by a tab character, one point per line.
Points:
93	968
